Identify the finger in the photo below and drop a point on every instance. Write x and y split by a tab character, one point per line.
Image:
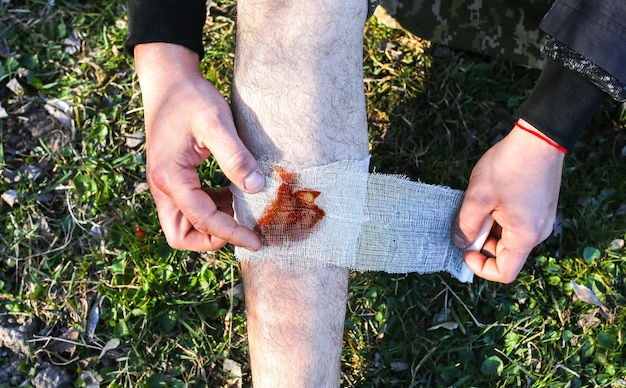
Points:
203	214
179	232
189	217
504	268
209	231
489	249
481	238
476	207
471	226
235	160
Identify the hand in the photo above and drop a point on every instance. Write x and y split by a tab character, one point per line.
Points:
187	120
517	181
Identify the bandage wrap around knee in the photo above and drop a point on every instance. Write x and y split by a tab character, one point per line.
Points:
340	215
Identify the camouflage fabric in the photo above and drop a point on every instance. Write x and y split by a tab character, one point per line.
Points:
507	29
371	7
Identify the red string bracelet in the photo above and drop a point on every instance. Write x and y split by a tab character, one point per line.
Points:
542	137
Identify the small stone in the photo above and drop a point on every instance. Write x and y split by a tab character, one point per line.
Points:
136	139
51	376
234	369
141	187
31	172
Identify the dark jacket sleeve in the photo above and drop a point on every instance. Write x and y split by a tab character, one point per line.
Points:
169	21
585	53
595	29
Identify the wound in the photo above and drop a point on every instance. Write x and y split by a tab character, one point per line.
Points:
292	215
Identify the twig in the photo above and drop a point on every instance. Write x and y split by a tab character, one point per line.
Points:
38	338
461	301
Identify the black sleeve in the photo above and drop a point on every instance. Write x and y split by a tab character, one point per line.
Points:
585	52
561	104
169	21
594	29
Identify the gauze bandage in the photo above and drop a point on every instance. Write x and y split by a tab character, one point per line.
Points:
368	222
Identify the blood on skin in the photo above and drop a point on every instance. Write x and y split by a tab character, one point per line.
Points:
292	215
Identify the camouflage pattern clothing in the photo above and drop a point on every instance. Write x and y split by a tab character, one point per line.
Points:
512	30
506	29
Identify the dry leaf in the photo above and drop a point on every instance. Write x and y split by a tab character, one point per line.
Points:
64	343
443	315
92	320
445	325
134	140
14	86
617	244
589	320
586	295
111	344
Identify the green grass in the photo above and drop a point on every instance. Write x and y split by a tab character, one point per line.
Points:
85	233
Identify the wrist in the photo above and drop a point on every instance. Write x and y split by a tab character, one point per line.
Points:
536	141
160	64
527	127
561	104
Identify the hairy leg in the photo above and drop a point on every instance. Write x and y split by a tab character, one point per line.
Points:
298	97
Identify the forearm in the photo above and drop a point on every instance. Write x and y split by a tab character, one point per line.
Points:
161	66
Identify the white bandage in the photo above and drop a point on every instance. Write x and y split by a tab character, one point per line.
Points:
371	222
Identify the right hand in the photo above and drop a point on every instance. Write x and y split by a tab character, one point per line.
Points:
517	183
186	121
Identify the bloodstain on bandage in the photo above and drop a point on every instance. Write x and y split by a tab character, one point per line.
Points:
292	215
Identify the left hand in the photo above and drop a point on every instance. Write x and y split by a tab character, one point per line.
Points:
517	182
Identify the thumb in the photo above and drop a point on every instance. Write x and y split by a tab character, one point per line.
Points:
238	163
472	226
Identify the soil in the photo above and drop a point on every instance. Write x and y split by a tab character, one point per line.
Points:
24	359
18	363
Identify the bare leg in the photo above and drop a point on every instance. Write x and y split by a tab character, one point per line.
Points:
298	97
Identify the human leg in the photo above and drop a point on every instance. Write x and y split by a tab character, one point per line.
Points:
298	97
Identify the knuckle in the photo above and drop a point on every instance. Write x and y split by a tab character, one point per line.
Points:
212	224
174	243
537	234
508	277
174	240
238	162
157	179
199	223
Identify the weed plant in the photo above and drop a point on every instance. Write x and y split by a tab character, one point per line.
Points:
82	237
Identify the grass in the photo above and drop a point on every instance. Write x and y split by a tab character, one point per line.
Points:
85	231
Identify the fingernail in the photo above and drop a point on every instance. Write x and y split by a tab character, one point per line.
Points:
459	241
253	182
254	247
